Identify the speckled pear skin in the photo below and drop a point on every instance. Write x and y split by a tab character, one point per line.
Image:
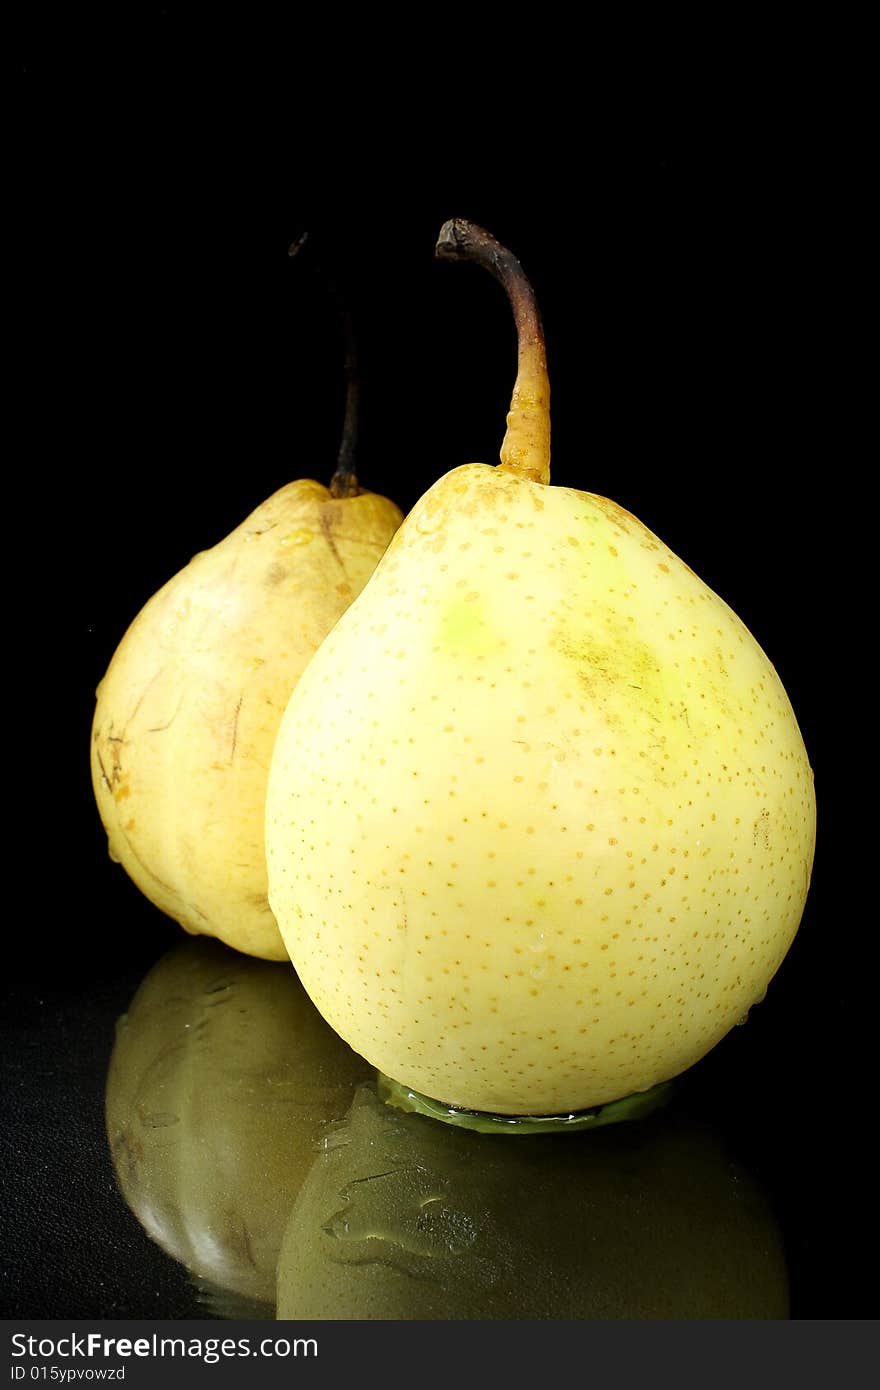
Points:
187	712
540	819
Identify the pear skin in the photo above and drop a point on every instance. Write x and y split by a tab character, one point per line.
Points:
188	710
540	820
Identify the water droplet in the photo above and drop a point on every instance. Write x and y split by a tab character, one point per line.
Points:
161	1119
394	1207
336	1136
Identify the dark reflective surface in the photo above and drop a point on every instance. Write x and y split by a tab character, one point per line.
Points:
236	1117
169	1135
176	373
403	1217
222	1079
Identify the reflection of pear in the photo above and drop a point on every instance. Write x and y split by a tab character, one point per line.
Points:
188	710
404	1218
222	1080
540	820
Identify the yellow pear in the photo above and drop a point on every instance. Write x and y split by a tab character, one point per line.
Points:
188	710
187	713
540	819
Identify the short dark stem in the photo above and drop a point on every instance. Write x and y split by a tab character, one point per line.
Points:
344	482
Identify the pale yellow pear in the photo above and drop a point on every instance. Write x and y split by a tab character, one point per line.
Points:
187	713
540	819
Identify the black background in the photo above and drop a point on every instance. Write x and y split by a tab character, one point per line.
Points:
696	267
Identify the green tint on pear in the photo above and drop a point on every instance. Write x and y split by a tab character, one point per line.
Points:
634	1107
540	819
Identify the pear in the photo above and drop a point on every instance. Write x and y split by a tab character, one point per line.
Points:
187	712
540	818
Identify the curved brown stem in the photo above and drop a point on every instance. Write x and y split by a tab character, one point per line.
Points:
526	446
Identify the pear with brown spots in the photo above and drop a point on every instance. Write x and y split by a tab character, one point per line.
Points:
187	713
540	819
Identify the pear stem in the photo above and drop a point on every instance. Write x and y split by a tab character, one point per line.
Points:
526	446
344	482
